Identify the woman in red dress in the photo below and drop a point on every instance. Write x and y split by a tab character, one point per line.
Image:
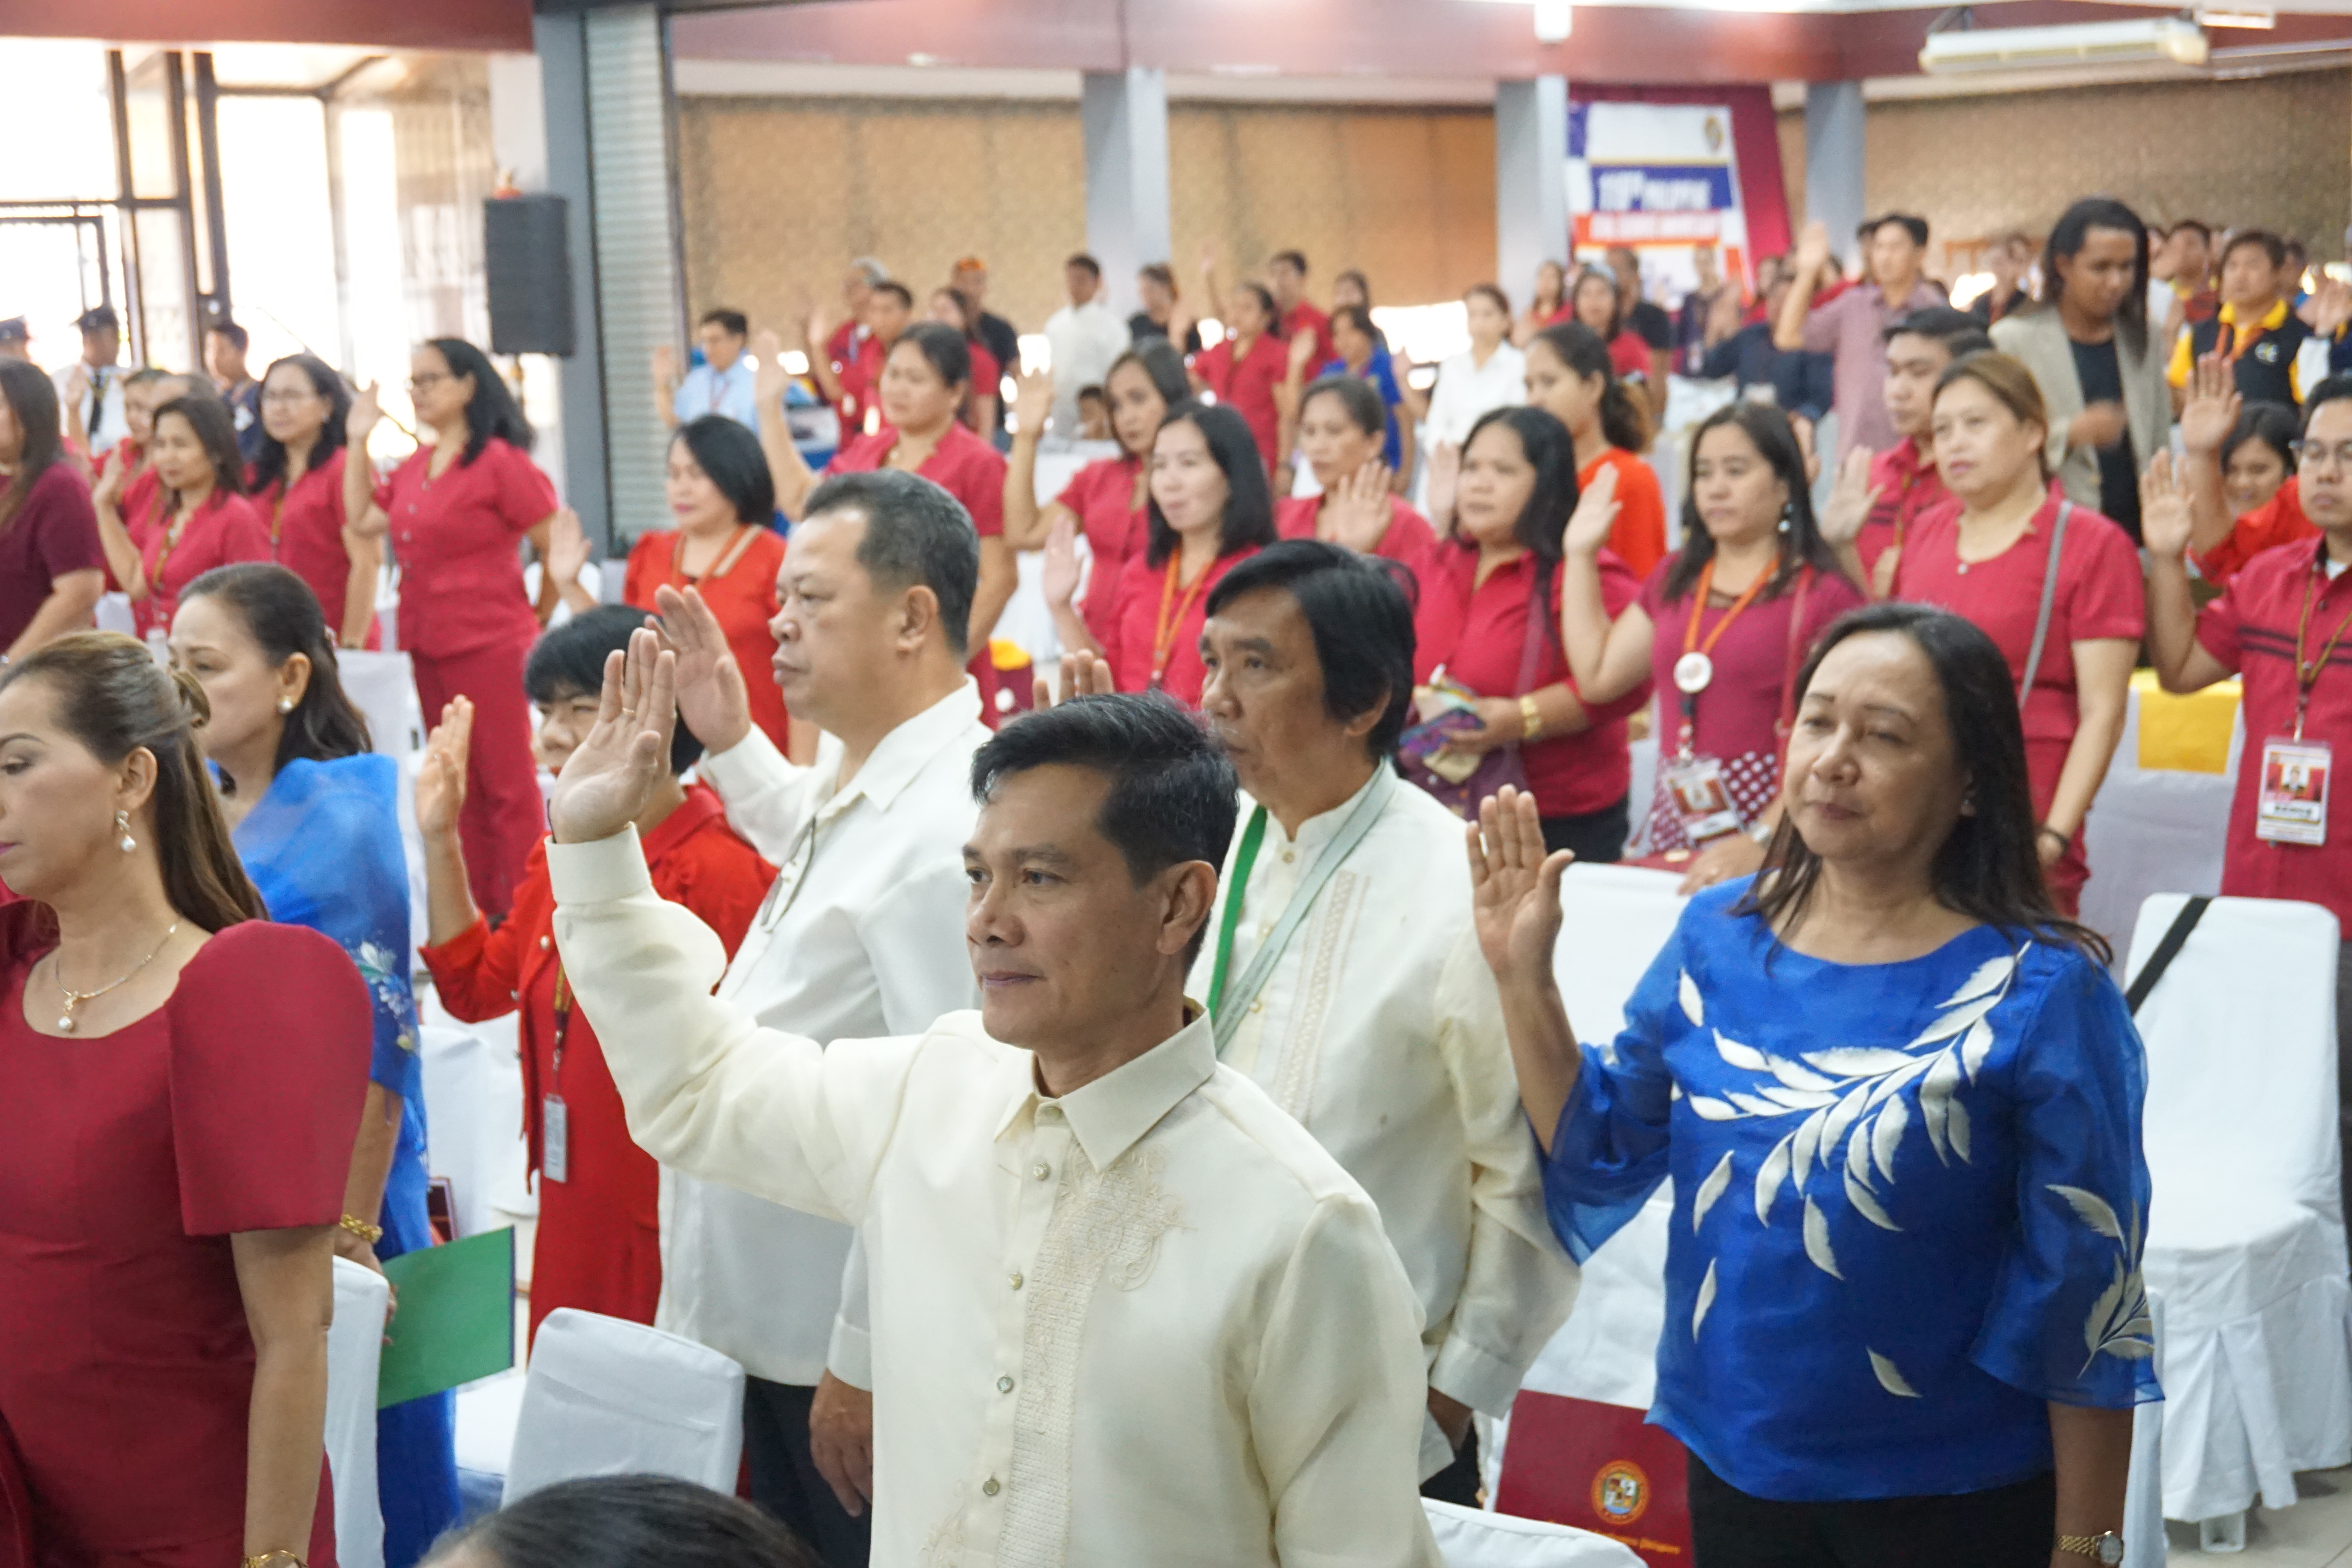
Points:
1488	621
1107	499
1249	371
1341	426
1985	554
1210	511
201	518
144	390
180	1089
950	309
308	494
1600	305
457	512
599	1242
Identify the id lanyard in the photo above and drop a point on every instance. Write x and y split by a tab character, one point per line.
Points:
1163	635
555	1121
2307	671
1695	671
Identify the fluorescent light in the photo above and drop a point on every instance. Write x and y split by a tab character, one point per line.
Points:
1555	19
2236	17
2154	40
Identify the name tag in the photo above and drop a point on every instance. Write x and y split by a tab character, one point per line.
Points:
1701	798
554	1139
2292	806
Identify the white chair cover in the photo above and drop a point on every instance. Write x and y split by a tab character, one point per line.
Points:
605	1397
382	686
473	1111
1471	1538
2152	831
354	1349
2245	1240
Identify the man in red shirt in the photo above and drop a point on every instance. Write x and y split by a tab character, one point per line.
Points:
888	308
1902	483
2222	545
1287	273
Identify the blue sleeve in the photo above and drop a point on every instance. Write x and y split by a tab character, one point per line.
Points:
351	843
1610	1150
2068	1321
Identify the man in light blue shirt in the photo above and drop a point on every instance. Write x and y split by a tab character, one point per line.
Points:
722	384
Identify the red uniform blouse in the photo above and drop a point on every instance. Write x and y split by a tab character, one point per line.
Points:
599	1242
1246	386
457	539
1739	712
1478	632
1102	497
54	533
1305	318
1628	354
2278	520
744	597
127	1161
963	465
1909	486
1137	618
1638	537
306	537
1409	533
223	531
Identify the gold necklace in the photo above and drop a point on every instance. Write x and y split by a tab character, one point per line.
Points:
76	999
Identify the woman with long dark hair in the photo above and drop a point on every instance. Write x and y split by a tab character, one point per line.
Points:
1342	425
1248	371
323	524
1719	630
2101	369
456	510
1548	304
1488	625
1899	1098
201	518
180	1082
1598	303
315	817
952	310
52	567
1569	377
1210	511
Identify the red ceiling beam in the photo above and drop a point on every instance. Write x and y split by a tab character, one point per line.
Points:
377	24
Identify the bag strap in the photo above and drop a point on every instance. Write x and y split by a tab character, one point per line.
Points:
2176	937
2048	603
1788	719
1531	651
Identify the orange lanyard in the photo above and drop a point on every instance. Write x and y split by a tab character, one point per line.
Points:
1163	637
727	557
2307	671
172	531
1698	607
2242	339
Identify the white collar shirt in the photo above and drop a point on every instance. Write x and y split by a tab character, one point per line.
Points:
1466	389
1150	1323
1381	1030
1083	341
862	935
731	392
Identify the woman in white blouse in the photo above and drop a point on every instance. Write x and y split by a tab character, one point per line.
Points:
1489	373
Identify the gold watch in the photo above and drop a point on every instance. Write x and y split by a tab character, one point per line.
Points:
278	1558
2105	1547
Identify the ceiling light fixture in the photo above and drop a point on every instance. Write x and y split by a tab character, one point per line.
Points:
2157	40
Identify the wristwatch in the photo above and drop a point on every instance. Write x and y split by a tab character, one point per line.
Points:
2106	1547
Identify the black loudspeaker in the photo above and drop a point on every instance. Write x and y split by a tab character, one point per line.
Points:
529	262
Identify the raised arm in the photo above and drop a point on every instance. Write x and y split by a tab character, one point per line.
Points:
568	557
814	335
2183	663
362	516
1813	262
1061	585
2206	417
1515	906
786	467
664	368
1851	499
113	538
67	608
1609	659
1028	524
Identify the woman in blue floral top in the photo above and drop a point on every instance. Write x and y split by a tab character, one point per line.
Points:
316	820
1899	1097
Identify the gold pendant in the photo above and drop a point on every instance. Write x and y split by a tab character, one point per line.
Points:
66	1025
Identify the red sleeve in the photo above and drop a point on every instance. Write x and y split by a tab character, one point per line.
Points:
522	494
2278	520
64	523
271	1031
383	490
723	880
1653	597
2220	624
637	584
1133	578
984	486
1823	322
1638	537
474	973
1077	491
1409	536
243	536
2106	596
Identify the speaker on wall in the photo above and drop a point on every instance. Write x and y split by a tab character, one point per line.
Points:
529	262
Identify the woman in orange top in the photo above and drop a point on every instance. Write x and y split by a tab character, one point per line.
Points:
599	1241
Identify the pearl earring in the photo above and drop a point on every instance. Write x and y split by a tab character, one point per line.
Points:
1786	513
122	826
285	705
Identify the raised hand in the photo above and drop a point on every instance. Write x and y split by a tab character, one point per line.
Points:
608	781
708	682
1814	248
568	549
367	408
768	377
1595	514
665	367
2211	411
441	771
112	473
2166	520
76	386
1033	401
1061	576
1359	509
1444	475
1302	353
1850	502
1514	886
1083	673
815	331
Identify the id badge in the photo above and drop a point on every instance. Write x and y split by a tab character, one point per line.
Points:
555	1139
1701	798
2292	807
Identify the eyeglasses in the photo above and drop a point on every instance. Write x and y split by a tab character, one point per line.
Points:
430	378
2317	454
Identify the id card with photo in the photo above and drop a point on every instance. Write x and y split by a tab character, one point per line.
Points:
1701	798
2293	805
555	1139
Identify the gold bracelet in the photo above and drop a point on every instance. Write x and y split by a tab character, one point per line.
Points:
280	1558
371	1234
1530	718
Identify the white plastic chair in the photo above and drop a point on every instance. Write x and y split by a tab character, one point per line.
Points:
605	1397
2245	1240
1471	1538
355	1351
383	686
473	1106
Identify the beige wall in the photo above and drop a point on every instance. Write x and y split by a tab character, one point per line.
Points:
2271	151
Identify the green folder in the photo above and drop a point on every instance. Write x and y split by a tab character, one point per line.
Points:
454	1321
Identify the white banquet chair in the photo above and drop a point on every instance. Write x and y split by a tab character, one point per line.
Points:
355	1353
2245	1235
1472	1538
603	1396
473	1117
382	686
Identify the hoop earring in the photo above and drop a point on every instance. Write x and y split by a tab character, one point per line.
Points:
122	826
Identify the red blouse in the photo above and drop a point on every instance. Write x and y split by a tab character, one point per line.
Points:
1246	386
305	536
744	597
1908	486
1144	595
223	531
1739	712
127	1161
1408	537
457	539
963	465
599	1242
1478	633
1102	497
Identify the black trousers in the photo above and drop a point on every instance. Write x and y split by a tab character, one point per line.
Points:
2014	1526
1457	1482
1597	836
784	1480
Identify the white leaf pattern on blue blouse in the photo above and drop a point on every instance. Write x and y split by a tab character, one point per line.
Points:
1976	1047
1799	1077
1745	1058
1954	1021
1710	1110
1809	1144
1799	1098
1857	1153
1774	1171
1705	1299
1711	1189
1989	977
1936	1102
2093	1210
1889	1378
1895	1082
1817	1240
1693	1008
1843	1117
1956	1128
1754	1104
1859	1196
2118	1323
1859	1062
1887	1136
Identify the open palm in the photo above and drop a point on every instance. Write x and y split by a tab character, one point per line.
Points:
608	781
712	695
1514	886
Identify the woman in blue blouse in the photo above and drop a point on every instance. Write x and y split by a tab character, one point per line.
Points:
1899	1097
315	821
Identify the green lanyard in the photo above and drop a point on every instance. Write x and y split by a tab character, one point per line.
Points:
1236	884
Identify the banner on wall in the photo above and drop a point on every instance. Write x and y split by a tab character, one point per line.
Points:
1661	178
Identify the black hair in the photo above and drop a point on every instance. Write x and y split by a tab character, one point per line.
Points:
1493	292
216	429
1290	258
2274	424
1542	525
1960	334
627	1521
1162	364
2066	241
730	455
2197	226
1915	226
1172	795
1624	424
1801	545
896	290
2335	389
269	460
1249	503
228	328
1159	272
735	324
32	401
916	535
948	351
568	661
1359	608
1358	317
1616	299
1265	303
1990	868
1357	397
492	412
2271	246
1092	268
283	617
1093	389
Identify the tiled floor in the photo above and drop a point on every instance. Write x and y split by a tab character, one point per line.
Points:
2313	1533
